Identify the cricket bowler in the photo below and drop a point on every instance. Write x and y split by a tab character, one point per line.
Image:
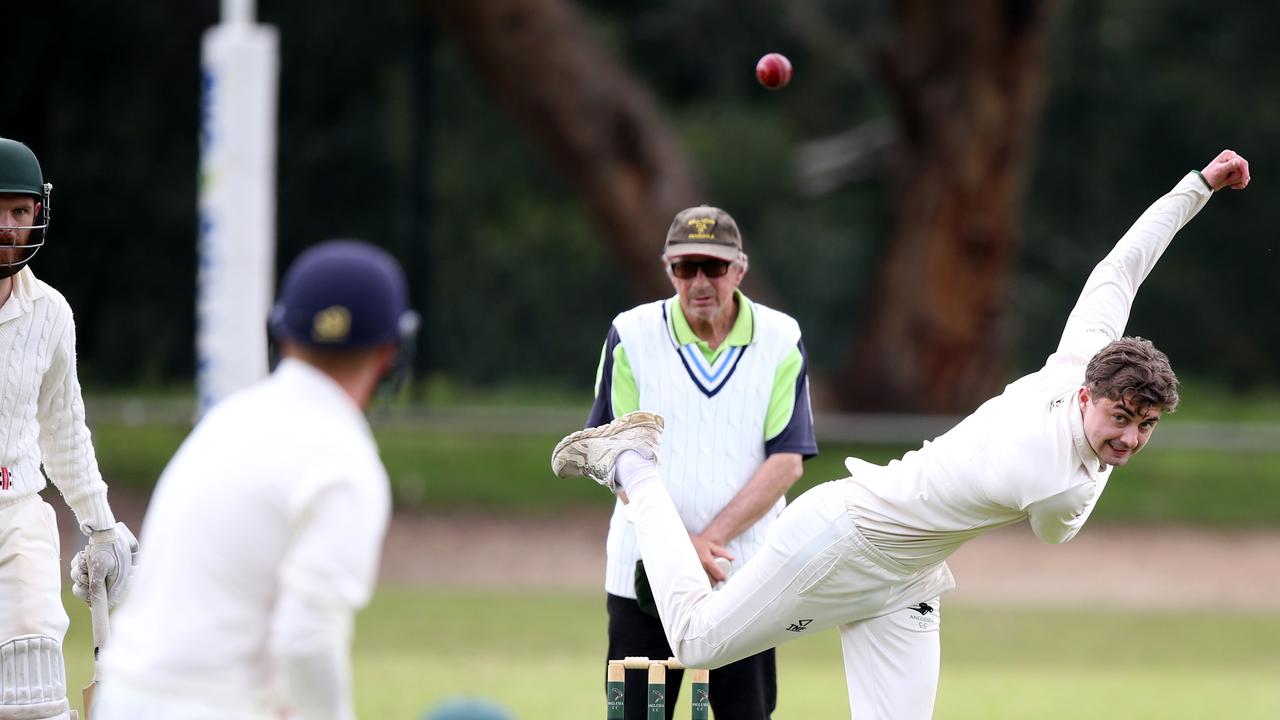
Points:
866	554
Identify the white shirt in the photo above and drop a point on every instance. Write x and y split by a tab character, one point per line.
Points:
41	408
1023	454
260	542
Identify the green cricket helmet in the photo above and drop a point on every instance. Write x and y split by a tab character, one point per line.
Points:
20	175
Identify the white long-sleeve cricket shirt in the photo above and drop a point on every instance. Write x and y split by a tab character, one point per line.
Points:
1022	455
42	419
261	541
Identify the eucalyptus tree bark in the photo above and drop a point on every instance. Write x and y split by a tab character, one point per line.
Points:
601	128
967	82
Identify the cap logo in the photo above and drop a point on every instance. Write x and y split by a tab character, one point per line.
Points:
331	325
703	228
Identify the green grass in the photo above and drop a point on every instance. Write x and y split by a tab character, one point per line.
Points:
133	456
445	470
1163	486
1208	401
542	654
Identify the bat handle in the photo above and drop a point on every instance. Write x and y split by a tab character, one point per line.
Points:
100	563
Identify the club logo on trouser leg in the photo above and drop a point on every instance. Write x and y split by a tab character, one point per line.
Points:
923	616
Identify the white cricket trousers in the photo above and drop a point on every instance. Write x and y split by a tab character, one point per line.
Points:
815	571
30	571
121	699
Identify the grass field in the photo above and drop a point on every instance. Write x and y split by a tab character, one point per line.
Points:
441	470
441	467
542	654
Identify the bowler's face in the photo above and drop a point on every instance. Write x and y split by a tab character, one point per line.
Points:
703	298
1115	429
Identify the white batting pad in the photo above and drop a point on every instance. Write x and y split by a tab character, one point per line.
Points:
33	681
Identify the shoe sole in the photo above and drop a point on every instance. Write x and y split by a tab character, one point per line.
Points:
633	420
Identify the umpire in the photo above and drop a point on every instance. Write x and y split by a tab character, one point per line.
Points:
729	375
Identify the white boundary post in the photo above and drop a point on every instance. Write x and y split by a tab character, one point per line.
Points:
237	202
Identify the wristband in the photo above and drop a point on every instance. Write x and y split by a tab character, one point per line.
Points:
1203	180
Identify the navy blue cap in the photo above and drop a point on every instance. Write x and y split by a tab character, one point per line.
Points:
342	294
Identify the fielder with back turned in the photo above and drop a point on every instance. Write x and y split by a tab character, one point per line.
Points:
867	553
265	528
42	422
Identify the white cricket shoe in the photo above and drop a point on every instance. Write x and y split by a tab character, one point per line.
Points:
592	452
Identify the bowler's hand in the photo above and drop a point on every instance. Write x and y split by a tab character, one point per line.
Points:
1227	170
708	550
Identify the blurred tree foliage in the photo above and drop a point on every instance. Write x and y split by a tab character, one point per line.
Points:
1142	92
386	133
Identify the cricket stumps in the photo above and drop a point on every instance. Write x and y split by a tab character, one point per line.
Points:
656	695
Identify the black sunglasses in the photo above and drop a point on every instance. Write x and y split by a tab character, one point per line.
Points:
688	269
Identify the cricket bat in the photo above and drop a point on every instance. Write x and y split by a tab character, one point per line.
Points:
99	565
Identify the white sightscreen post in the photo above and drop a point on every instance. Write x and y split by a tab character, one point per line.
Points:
237	203
237	12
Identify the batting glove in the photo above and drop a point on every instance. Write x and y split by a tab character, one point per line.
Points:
116	551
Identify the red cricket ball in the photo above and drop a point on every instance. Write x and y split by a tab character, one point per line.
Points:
774	71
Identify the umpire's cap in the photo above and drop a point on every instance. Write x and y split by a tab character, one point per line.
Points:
343	294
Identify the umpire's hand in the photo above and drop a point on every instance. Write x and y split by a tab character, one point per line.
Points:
708	550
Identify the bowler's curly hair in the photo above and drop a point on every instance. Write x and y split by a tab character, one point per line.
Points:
1133	370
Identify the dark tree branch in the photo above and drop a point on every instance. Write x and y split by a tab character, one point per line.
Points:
967	81
601	129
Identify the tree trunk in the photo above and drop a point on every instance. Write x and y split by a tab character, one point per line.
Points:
967	81
602	130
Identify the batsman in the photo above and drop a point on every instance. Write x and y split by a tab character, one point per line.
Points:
42	422
867	553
